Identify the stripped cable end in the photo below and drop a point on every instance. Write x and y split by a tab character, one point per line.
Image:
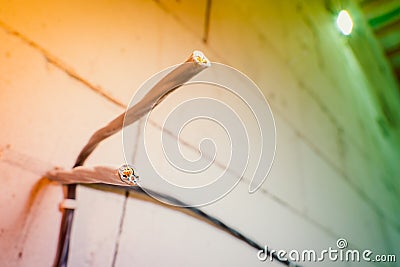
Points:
127	175
200	58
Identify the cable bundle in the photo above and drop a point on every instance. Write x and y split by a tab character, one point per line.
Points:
105	177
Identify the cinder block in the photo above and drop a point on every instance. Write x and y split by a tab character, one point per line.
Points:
138	39
162	236
334	204
190	14
30	217
329	143
95	227
286	180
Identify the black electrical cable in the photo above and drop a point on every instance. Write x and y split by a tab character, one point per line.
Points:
209	218
65	231
166	85
170	82
61	259
68	215
66	225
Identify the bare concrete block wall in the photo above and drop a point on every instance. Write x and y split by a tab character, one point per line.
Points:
334	100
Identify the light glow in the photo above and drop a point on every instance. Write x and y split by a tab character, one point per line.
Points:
344	22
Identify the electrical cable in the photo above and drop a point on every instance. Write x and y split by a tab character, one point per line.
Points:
173	80
177	77
61	259
208	218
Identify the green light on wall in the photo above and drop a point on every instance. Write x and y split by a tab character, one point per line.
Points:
344	22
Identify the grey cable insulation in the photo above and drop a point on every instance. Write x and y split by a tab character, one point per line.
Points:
176	78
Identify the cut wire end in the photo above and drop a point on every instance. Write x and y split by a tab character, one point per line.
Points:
200	58
127	174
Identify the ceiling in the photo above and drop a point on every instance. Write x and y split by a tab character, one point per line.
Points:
384	18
